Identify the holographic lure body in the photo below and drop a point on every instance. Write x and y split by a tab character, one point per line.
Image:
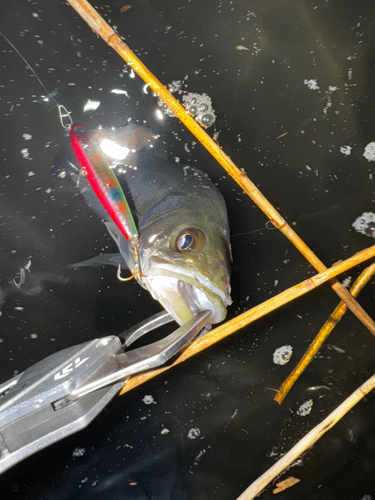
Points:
103	181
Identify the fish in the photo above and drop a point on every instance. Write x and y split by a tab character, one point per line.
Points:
183	252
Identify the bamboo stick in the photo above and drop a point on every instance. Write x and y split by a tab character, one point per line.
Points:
253	314
97	23
306	442
328	326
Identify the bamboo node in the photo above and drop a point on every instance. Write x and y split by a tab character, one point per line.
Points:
278	225
109	39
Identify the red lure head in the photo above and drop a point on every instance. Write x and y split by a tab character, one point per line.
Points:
77	139
76	132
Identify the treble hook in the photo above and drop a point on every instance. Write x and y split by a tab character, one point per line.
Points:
121	278
137	268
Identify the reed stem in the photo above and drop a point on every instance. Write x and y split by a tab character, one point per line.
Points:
328	326
306	442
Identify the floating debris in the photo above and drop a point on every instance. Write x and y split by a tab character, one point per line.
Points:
283	355
365	224
311	84
120	91
25	153
125	8
242	47
27	137
284	485
369	153
282	135
317	388
329	104
305	408
336	348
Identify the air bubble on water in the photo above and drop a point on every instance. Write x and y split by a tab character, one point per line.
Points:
200	106
78	452
369	153
197	105
148	400
345	150
175	86
365	224
207	120
346	282
164	108
283	355
194	433
193	110
305	408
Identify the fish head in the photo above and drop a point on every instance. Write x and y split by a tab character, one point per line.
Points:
185	263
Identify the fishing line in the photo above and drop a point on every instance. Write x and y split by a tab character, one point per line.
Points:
64	115
30	67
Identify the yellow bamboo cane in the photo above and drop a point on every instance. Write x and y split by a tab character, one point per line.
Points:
326	329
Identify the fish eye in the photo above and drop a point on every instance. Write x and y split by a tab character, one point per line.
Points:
189	239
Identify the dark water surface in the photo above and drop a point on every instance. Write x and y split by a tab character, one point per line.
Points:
139	451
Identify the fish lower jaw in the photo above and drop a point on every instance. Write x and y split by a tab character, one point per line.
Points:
182	300
197	300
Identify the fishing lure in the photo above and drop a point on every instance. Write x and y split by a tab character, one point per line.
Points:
106	186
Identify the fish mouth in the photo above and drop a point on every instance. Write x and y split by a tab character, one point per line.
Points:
183	294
